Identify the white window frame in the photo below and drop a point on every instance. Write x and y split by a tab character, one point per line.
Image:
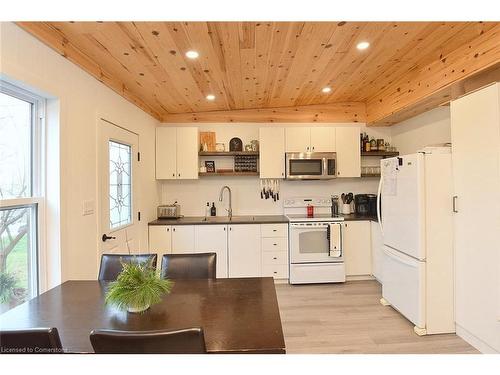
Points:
38	166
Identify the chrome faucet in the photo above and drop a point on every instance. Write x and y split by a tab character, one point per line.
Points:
221	195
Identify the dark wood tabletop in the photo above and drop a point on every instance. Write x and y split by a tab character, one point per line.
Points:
237	315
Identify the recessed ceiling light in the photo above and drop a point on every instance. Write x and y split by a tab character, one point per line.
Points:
326	89
192	54
363	45
210	97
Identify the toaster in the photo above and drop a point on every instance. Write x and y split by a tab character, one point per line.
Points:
169	211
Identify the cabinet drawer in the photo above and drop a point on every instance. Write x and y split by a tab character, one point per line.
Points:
275	258
274	244
274	230
278	271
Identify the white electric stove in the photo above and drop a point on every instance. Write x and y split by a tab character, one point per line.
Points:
316	244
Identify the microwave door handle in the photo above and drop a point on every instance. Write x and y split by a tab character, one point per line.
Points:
324	172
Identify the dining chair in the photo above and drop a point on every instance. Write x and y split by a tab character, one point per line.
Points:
183	341
111	264
30	341
189	266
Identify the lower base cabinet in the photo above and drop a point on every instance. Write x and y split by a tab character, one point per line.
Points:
357	248
213	239
244	250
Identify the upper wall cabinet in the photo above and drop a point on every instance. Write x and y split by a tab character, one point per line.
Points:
348	152
272	152
176	153
310	139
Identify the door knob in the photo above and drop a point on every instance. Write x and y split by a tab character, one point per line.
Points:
105	237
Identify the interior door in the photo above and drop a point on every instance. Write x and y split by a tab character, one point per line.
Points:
403	210
118	196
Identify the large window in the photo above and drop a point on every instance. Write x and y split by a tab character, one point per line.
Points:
20	194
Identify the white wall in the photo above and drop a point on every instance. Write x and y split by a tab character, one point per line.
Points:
193	195
425	129
82	99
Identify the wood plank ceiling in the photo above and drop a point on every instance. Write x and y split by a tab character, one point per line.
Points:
249	65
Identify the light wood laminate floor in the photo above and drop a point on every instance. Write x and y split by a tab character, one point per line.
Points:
348	318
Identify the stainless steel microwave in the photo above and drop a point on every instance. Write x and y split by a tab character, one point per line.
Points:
311	165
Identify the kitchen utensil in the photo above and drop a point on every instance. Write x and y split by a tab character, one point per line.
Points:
349	198
261	191
235	144
342	197
335	205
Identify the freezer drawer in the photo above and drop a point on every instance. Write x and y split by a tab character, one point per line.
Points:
404	285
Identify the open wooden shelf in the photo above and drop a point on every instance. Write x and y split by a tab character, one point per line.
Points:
380	153
228	153
202	174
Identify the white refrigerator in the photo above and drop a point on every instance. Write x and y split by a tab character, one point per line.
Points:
415	215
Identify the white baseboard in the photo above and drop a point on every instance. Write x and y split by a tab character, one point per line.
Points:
475	341
359	278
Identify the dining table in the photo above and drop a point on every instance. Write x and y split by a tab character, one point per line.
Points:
238	315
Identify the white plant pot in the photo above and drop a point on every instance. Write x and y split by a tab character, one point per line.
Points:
135	309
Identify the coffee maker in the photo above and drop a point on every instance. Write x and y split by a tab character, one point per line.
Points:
361	204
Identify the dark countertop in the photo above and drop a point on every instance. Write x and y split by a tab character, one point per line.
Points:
245	219
357	217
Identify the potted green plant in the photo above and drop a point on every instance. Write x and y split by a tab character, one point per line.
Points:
137	287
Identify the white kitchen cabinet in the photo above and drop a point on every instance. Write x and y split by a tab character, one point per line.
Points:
213	239
377	253
274	243
176	153
475	138
310	139
348	152
357	248
298	139
166	153
187	153
244	250
183	239
272	152
160	240
323	139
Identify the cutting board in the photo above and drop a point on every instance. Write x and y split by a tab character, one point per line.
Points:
209	139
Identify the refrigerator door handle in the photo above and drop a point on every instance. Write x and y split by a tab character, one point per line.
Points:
379	217
392	254
455	197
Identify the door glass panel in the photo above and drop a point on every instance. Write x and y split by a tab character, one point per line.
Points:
15	147
120	197
313	242
18	256
306	167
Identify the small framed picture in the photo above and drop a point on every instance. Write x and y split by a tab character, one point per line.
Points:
210	165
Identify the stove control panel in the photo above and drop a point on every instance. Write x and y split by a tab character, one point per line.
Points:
307	201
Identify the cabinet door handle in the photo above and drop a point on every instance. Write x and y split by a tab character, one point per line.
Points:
168	229
313	148
275	272
179	175
275	244
173	174
173	229
275	230
455	197
224	229
275	258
